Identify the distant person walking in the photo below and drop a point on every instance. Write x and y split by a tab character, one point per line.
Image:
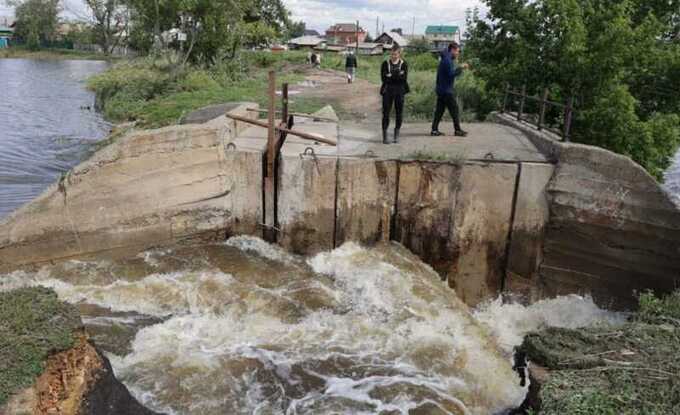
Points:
351	67
394	75
446	96
316	60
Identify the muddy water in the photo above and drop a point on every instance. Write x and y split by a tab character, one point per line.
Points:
244	327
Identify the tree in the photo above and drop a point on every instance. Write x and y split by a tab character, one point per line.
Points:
110	23
296	29
420	45
36	21
617	58
207	30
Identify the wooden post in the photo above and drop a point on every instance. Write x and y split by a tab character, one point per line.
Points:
269	233
568	112
544	104
520	111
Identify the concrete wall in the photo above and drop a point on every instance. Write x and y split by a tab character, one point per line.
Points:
593	223
145	189
612	230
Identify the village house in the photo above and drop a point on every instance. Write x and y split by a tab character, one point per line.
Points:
440	36
366	48
390	39
345	33
6	30
306	42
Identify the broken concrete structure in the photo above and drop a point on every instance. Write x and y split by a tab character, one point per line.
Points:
511	210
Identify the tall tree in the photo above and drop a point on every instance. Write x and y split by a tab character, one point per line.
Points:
36	20
110	23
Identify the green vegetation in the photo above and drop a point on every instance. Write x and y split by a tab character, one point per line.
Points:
33	325
157	94
22	52
620	60
36	21
628	369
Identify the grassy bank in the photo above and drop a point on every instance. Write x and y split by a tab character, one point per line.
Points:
629	369
156	94
20	52
34	324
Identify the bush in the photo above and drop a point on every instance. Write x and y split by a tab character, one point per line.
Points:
197	80
423	62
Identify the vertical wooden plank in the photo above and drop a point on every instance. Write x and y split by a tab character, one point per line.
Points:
269	233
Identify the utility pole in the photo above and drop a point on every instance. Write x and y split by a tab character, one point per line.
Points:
377	27
413	27
357	53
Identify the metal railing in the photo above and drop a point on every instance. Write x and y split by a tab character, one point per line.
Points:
521	98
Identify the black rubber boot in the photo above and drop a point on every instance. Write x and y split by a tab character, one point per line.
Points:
385	141
396	136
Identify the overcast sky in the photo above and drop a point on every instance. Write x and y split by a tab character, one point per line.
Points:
320	14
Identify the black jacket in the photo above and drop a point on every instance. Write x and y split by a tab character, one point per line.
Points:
394	78
351	61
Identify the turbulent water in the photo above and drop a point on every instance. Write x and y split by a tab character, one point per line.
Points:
46	127
244	327
672	179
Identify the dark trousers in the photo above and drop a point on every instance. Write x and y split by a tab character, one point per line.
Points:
396	99
449	102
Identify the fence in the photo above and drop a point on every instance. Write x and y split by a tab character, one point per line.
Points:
520	98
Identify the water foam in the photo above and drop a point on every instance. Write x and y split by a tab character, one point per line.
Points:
510	322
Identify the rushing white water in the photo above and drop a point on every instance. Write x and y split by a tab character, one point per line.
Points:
248	328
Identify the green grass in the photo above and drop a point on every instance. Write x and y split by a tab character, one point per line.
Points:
20	52
629	369
156	95
33	325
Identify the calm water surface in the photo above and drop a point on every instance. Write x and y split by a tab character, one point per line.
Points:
46	127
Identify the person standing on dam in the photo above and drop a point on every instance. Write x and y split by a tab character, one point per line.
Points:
446	96
394	75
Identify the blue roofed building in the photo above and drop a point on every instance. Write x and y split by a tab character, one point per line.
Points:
440	36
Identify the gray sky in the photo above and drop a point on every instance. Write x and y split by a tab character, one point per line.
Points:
320	14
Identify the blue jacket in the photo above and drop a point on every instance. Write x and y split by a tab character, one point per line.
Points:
446	74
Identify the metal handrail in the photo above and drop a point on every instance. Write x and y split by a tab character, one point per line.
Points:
545	102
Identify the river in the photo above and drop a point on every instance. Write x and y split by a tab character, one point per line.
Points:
47	124
243	327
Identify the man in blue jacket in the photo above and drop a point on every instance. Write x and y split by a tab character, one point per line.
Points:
446	98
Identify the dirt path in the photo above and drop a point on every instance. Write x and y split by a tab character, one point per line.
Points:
359	100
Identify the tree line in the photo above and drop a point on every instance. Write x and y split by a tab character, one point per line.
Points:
199	31
619	59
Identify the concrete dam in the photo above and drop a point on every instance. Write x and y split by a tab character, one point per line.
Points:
510	210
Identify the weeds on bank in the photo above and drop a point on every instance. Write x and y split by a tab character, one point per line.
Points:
34	324
628	369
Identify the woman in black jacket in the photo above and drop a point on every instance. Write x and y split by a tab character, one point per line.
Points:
394	74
